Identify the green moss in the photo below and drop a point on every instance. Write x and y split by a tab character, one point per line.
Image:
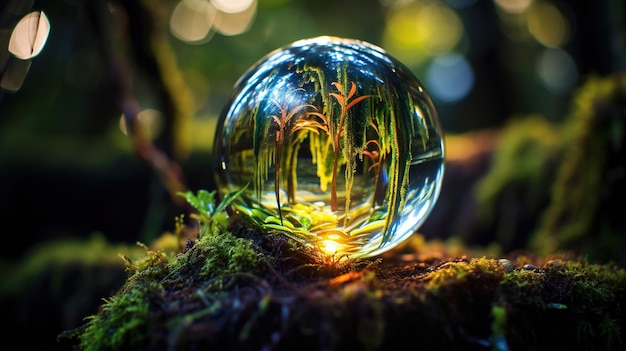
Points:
122	320
576	296
152	266
456	271
253	302
205	273
217	254
525	148
561	188
601	284
586	210
217	251
519	178
251	290
121	323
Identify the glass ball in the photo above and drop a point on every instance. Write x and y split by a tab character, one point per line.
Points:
334	143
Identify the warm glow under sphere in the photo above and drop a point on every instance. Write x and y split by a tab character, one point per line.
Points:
334	143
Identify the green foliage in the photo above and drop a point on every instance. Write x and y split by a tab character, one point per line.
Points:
205	203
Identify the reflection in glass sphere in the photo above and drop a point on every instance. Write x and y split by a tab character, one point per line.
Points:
334	143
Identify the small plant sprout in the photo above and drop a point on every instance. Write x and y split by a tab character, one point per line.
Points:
212	216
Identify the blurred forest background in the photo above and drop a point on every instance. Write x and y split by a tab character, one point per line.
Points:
68	169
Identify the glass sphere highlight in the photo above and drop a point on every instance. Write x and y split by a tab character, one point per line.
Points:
334	143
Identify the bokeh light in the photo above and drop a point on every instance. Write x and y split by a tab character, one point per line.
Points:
235	23
557	70
232	6
450	77
150	122
23	42
420	30
191	21
195	21
14	74
548	25
29	35
513	6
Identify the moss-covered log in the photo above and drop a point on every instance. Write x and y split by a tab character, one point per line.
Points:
245	290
